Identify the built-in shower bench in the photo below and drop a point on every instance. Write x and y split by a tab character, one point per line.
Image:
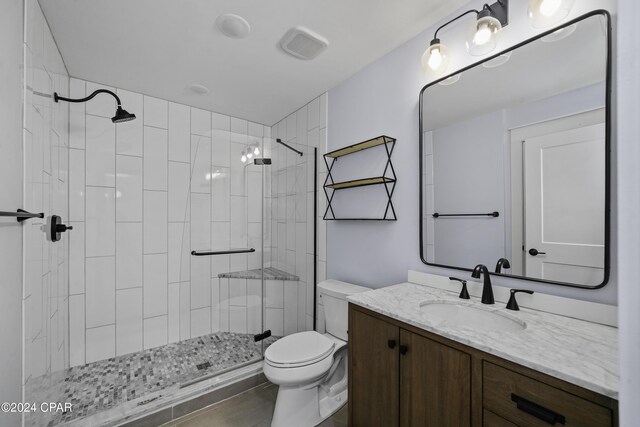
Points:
270	273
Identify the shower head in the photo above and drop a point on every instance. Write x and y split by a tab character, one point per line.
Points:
121	114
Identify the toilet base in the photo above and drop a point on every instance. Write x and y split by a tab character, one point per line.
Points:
297	406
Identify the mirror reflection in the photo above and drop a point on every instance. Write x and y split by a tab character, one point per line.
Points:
514	171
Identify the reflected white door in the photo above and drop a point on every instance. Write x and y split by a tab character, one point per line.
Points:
565	205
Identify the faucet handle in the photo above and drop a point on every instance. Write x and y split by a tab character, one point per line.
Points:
464	294
513	304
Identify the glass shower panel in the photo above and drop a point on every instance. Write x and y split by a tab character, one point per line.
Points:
289	237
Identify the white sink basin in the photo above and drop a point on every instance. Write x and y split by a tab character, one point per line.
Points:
453	315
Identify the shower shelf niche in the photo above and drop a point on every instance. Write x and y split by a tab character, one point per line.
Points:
389	182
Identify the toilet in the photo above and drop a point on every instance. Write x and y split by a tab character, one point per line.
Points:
311	368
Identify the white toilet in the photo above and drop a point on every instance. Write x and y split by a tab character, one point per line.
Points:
311	368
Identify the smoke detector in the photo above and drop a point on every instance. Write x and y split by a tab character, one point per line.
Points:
303	43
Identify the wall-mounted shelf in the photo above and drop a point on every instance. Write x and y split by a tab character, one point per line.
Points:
360	183
364	145
389	182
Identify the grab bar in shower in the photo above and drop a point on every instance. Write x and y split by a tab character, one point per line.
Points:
229	252
22	215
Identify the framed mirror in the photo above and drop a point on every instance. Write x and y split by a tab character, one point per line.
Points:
515	159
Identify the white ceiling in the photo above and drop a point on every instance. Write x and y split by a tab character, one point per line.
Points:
160	47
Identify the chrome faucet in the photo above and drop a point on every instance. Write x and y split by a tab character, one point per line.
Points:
487	290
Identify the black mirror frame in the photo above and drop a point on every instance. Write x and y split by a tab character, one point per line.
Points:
608	125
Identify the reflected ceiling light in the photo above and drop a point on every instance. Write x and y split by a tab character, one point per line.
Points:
497	61
544	13
233	26
560	34
451	80
249	152
481	40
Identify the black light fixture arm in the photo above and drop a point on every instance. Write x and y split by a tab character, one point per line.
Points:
57	97
499	10
435	35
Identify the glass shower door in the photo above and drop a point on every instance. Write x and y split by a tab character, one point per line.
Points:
289	238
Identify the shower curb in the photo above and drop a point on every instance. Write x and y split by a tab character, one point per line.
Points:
181	409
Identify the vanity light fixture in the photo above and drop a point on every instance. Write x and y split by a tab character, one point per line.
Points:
480	41
544	13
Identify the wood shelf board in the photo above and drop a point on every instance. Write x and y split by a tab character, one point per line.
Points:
374	142
359	183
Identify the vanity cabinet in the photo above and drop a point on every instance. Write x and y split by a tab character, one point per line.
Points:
400	375
399	378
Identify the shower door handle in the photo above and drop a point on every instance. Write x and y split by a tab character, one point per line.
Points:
229	252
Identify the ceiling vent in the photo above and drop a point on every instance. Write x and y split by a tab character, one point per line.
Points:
303	43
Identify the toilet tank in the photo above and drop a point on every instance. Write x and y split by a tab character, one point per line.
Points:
333	295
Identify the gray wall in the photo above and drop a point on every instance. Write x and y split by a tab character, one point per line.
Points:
629	178
383	99
11	13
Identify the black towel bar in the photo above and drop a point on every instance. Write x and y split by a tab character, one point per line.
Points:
492	214
22	215
230	251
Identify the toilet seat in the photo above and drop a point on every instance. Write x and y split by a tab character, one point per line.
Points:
298	350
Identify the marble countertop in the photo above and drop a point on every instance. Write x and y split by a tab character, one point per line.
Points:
270	273
576	351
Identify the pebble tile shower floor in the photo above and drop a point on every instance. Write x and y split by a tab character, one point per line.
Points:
98	386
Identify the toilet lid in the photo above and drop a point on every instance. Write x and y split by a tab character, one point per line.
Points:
300	349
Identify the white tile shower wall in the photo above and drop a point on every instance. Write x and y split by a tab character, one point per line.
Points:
147	192
46	183
291	244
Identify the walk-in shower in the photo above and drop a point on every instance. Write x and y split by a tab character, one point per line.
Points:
185	262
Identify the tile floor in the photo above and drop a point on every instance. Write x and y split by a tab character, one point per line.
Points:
102	385
252	408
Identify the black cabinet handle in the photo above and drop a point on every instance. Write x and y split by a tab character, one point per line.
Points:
534	252
391	344
540	412
404	349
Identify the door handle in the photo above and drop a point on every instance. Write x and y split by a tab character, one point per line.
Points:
403	349
391	344
535	252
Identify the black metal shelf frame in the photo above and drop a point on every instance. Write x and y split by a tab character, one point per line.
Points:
389	182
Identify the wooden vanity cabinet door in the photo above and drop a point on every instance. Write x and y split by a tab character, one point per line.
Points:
373	371
435	383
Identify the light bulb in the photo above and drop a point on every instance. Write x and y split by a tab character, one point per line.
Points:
243	159
482	38
544	13
249	155
256	151
435	59
549	7
483	34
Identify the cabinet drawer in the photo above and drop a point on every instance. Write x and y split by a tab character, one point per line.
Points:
489	419
531	403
